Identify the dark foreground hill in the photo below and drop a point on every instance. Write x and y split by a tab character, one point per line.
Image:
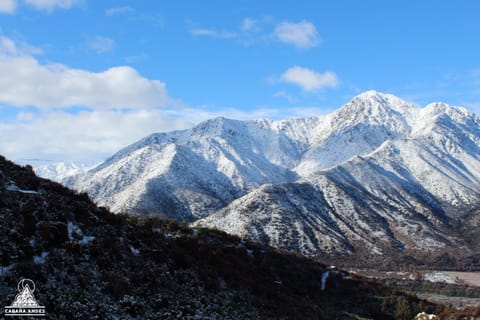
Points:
90	264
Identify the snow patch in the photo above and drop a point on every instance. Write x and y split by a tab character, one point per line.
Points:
41	258
75	234
135	251
14	188
324	279
438	276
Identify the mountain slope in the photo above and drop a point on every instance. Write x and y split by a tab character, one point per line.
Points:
194	172
90	264
378	175
357	128
410	197
334	214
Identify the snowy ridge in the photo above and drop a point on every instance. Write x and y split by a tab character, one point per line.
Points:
54	170
379	173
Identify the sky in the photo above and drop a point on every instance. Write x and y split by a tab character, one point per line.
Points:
80	79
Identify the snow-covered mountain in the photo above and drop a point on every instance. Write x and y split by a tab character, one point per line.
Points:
377	175
55	170
58	171
90	264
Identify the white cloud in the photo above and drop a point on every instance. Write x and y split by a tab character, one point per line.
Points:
25	116
309	80
118	10
213	33
303	34
8	6
203	32
49	5
283	94
84	134
10	47
121	107
85	137
249	24
30	83
93	133
92	136
133	16
101	44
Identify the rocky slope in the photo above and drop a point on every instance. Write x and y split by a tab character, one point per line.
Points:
88	263
377	178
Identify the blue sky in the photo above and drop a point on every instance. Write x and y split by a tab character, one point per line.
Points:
80	79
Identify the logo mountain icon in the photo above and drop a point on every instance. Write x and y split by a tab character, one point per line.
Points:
25	298
25	303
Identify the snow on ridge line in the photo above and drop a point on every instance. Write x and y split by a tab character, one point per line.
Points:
299	130
247	154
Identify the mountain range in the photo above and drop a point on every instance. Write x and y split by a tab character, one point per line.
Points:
55	170
378	180
87	263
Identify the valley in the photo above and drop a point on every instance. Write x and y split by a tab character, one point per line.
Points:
459	290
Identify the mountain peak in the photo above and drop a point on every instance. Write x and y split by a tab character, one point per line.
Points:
439	108
374	108
366	171
369	94
376	98
216	127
